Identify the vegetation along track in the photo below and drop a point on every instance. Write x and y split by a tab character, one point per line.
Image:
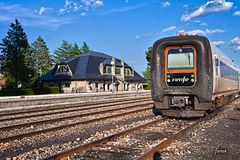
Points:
139	142
134	108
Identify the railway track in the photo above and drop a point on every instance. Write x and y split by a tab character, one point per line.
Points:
110	147
8	102
67	109
87	146
141	139
138	108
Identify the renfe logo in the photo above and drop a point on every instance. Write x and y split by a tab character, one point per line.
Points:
182	80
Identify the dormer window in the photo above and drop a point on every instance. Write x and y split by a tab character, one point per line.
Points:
63	69
128	72
107	70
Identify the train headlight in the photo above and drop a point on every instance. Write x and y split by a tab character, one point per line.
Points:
192	75
192	80
168	80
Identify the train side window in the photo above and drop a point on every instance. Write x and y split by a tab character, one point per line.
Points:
217	64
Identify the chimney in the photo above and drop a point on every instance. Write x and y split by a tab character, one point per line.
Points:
122	69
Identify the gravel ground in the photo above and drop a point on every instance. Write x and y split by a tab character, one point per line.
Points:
65	107
52	142
63	115
10	104
65	122
216	139
131	146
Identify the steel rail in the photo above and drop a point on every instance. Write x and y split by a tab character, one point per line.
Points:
72	151
67	106
29	134
149	154
6	128
72	110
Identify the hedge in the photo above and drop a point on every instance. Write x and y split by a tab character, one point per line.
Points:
29	91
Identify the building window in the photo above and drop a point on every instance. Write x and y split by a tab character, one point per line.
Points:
107	70
118	71
128	72
67	84
63	70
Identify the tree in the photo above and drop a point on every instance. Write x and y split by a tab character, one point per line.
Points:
65	51
147	73
76	50
85	48
16	59
41	56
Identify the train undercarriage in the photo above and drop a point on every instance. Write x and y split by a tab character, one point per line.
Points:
188	106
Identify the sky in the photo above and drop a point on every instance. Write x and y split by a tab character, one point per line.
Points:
125	28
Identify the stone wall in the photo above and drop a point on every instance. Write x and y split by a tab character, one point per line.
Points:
97	86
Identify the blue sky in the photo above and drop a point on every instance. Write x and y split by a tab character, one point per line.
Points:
125	28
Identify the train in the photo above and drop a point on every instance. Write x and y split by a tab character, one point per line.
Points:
191	77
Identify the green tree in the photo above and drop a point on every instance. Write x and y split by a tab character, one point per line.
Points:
41	58
85	48
15	58
76	50
65	51
147	73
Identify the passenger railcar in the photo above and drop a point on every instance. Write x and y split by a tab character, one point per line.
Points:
190	77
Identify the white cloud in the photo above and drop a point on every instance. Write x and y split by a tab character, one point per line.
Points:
218	43
28	17
185	6
144	35
83	13
208	8
137	37
166	4
125	9
235	43
168	29
204	32
43	10
237	13
203	24
83	6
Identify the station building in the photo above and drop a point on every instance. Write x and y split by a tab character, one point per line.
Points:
93	72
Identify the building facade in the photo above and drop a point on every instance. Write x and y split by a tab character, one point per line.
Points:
93	72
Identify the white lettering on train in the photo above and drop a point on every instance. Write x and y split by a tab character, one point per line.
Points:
184	79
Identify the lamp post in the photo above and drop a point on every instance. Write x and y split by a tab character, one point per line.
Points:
112	63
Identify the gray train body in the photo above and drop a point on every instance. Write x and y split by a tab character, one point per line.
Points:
190	77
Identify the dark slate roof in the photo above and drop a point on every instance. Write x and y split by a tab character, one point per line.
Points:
86	67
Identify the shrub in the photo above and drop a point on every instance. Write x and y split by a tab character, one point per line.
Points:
28	91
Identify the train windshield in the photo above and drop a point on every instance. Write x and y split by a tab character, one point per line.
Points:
180	58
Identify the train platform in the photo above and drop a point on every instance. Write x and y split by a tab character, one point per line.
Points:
215	139
50	100
49	96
